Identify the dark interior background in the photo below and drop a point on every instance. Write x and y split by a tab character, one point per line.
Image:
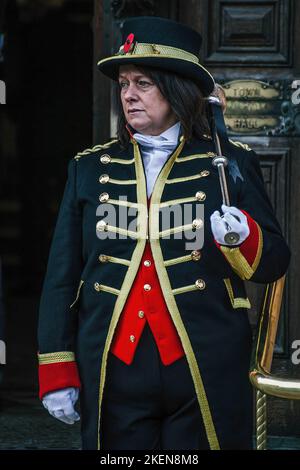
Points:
47	68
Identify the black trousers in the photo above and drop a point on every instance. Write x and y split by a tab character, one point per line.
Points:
149	406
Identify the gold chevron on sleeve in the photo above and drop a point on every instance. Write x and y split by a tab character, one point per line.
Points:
238	261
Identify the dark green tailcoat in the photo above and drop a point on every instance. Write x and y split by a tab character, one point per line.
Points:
212	322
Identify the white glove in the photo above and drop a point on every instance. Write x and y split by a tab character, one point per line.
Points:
60	404
229	223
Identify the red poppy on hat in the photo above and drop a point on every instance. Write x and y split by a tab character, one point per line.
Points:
128	44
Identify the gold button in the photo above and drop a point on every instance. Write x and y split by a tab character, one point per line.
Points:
132	338
200	284
147	287
197	223
141	314
204	173
196	255
103	258
105	159
147	262
200	196
97	286
102	226
103	197
103	179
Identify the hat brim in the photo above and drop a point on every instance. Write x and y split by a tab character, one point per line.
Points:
196	72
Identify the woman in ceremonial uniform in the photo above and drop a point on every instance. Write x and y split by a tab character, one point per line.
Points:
149	329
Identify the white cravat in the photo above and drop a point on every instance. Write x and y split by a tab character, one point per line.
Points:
155	151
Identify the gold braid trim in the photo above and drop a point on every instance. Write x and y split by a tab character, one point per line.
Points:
128	280
192	157
239	263
236	302
240	144
52	358
122	161
259	249
180	259
96	148
114	181
143	49
172	305
181	179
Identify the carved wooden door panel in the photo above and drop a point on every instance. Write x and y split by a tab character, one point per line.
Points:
248	47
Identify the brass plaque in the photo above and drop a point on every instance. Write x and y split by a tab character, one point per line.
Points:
251	125
250	89
253	106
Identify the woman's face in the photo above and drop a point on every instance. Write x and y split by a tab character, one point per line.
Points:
145	108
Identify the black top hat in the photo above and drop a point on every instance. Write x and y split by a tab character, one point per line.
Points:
161	43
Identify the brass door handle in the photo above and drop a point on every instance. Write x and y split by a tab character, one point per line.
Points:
275	386
260	375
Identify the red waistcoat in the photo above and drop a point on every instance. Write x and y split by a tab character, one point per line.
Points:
145	302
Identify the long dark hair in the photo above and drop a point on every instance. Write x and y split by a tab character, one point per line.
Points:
184	96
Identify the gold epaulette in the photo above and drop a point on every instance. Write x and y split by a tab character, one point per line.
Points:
96	148
240	144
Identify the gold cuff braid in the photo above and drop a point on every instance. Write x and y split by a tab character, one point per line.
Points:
52	358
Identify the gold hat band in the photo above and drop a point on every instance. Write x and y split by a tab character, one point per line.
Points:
153	50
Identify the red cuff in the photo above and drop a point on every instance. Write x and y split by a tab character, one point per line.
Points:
56	376
250	246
